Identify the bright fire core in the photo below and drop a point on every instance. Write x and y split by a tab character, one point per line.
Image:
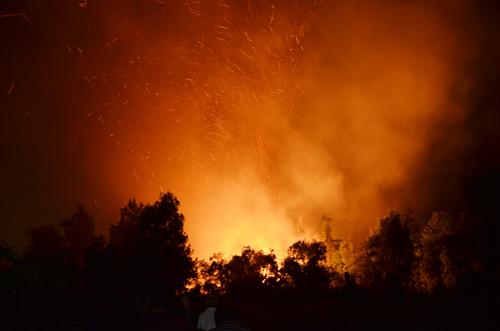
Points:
260	116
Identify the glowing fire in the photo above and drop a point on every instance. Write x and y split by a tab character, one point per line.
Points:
260	114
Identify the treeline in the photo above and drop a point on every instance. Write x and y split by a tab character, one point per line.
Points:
399	260
397	257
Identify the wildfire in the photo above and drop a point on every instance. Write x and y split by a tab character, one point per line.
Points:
259	113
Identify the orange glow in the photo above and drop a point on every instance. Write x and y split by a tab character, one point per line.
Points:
260	117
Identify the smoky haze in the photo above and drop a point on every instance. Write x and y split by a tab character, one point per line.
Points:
390	77
382	80
260	116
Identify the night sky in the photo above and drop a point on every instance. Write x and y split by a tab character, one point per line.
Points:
259	116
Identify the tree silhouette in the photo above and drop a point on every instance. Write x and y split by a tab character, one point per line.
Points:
385	260
450	246
7	254
25	287
305	267
330	243
162	243
78	233
122	250
213	275
252	269
343	261
46	248
250	276
125	232
148	240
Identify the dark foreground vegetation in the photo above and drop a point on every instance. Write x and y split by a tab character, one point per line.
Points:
444	276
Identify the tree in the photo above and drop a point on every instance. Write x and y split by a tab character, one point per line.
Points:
339	254
162	243
25	290
214	275
147	240
105	276
78	232
305	268
385	260
7	255
450	246
252	266
330	243
343	260
114	265
127	228
251	276
46	247
123	239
